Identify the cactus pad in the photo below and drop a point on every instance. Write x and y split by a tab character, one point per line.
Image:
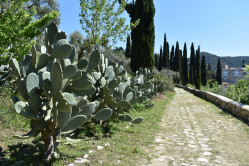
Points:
32	83
69	71
93	61
137	121
56	78
74	123
82	63
103	114
82	84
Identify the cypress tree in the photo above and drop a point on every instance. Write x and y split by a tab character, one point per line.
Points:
177	59
143	36
165	52
160	64
128	47
209	67
184	66
192	62
156	56
203	71
167	56
198	69
172	55
243	63
219	72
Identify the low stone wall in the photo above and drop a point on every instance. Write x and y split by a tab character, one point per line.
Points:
237	109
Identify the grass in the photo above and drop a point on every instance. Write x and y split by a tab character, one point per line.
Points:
128	142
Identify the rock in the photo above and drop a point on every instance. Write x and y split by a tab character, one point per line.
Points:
100	147
81	160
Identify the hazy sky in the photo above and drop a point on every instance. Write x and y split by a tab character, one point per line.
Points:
220	27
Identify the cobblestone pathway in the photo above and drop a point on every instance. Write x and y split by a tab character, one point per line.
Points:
195	132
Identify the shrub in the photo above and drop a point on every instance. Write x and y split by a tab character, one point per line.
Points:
171	74
163	82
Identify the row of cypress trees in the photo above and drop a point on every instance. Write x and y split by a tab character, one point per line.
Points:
194	73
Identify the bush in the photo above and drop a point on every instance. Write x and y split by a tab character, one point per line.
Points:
119	57
189	85
163	82
171	74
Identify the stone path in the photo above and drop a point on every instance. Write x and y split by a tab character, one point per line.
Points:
195	132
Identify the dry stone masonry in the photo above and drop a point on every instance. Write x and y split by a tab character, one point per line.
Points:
235	108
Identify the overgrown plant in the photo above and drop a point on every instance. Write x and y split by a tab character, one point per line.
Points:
60	94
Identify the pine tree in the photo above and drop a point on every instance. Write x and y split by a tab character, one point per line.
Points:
165	52
198	69
191	66
172	55
128	47
177	59
143	36
219	72
160	64
184	66
203	71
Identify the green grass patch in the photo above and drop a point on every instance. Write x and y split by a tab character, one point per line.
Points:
128	142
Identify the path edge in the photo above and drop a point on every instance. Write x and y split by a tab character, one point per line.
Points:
233	107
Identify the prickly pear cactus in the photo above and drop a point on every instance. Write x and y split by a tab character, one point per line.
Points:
60	95
47	86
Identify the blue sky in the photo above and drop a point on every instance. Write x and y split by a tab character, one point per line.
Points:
220	27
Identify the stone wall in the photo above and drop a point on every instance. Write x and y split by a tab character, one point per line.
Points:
237	109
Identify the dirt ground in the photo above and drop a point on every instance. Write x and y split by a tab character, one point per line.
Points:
196	132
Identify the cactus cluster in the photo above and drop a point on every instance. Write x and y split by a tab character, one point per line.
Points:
60	94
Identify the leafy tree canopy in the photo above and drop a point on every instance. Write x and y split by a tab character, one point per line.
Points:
18	28
101	20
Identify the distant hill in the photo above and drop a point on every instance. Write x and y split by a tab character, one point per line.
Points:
231	61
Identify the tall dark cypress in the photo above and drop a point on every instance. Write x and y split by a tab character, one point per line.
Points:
219	72
160	64
198	69
177	58
128	47
192	62
143	36
203	71
243	63
156	56
167	56
185	66
172	55
209	67
165	52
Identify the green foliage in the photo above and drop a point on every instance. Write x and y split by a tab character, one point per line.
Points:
197	69
64	94
165	53
219	73
203	71
185	66
172	55
160	61
171	74
143	36
230	61
18	29
102	22
177	59
128	47
163	82
192	64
